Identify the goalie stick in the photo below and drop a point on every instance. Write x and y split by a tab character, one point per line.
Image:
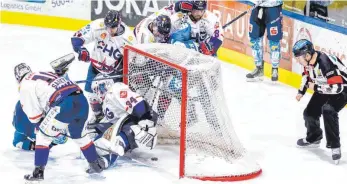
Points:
242	14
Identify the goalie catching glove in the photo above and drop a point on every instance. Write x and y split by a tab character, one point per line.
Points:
131	136
145	136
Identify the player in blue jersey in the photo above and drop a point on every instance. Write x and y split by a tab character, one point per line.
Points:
267	16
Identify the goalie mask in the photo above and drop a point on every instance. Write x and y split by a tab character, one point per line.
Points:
20	71
100	85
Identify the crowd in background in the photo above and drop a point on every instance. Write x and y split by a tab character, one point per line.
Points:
333	12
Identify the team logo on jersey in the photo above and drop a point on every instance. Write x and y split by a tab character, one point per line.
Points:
273	31
123	94
108	134
130	38
103	36
102	24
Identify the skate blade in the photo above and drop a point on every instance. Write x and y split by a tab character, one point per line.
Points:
257	79
274	81
309	146
337	162
33	181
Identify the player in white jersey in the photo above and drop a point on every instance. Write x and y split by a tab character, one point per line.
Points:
57	106
25	131
110	35
198	29
129	120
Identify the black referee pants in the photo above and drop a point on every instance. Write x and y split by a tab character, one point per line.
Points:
328	106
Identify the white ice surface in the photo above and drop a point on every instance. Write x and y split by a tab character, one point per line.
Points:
266	117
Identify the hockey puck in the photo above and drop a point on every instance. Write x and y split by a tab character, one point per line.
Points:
154	159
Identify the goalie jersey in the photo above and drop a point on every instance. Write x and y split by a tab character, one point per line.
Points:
107	54
121	101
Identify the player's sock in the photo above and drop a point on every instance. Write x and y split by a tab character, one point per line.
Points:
89	152
41	155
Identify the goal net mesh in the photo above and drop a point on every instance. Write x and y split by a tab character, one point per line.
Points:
185	88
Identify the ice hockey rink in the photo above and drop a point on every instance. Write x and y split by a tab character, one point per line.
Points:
266	118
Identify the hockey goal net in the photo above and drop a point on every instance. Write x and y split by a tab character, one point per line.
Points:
185	88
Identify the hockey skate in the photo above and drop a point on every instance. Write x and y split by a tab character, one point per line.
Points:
274	75
97	166
256	75
302	143
336	155
37	174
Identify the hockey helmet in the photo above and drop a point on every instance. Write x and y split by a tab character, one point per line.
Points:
101	84
163	24
112	19
199	4
20	71
303	47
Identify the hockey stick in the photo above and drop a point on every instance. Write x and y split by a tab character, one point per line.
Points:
30	139
119	76
242	14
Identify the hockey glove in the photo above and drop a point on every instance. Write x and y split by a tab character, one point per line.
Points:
145	134
83	54
183	6
206	48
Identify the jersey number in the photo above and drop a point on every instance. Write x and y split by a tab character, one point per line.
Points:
109	114
130	102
